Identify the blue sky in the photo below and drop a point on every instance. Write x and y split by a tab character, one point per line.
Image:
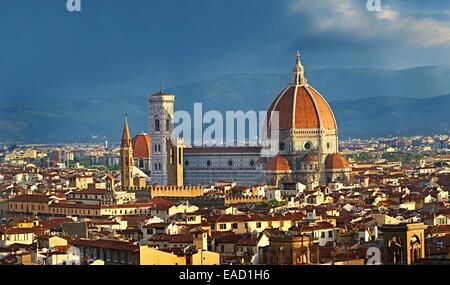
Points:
125	47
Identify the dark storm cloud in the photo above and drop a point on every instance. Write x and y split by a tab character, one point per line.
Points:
116	46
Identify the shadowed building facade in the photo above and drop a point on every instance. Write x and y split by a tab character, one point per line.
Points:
287	250
403	243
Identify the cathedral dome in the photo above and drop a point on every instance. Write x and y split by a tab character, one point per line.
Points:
141	146
336	161
278	163
310	158
300	106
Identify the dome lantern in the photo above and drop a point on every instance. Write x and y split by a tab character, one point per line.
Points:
299	72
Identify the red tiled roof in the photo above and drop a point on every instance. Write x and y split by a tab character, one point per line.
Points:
335	161
111	244
247	242
228	238
31	199
278	163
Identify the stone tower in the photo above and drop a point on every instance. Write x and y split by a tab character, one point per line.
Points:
175	162
126	158
403	243
161	126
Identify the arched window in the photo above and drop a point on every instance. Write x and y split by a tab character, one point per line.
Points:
415	248
395	250
157	125
167	125
171	156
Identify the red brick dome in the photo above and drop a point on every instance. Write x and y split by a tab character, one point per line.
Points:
300	106
278	163
310	158
336	161
141	146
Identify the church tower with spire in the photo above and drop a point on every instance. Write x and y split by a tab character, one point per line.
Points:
126	158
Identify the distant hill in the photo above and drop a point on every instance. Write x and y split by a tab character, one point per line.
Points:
392	116
366	103
78	120
256	91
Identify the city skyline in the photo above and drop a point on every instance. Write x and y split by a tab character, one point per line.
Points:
232	135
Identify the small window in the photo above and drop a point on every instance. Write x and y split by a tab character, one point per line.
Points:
186	163
307	146
252	163
230	162
330	234
208	163
322	234
167	125
157	125
171	156
258	225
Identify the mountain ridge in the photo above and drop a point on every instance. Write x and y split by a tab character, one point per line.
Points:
364	101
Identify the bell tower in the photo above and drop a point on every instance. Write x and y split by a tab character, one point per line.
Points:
175	162
404	244
161	126
126	158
